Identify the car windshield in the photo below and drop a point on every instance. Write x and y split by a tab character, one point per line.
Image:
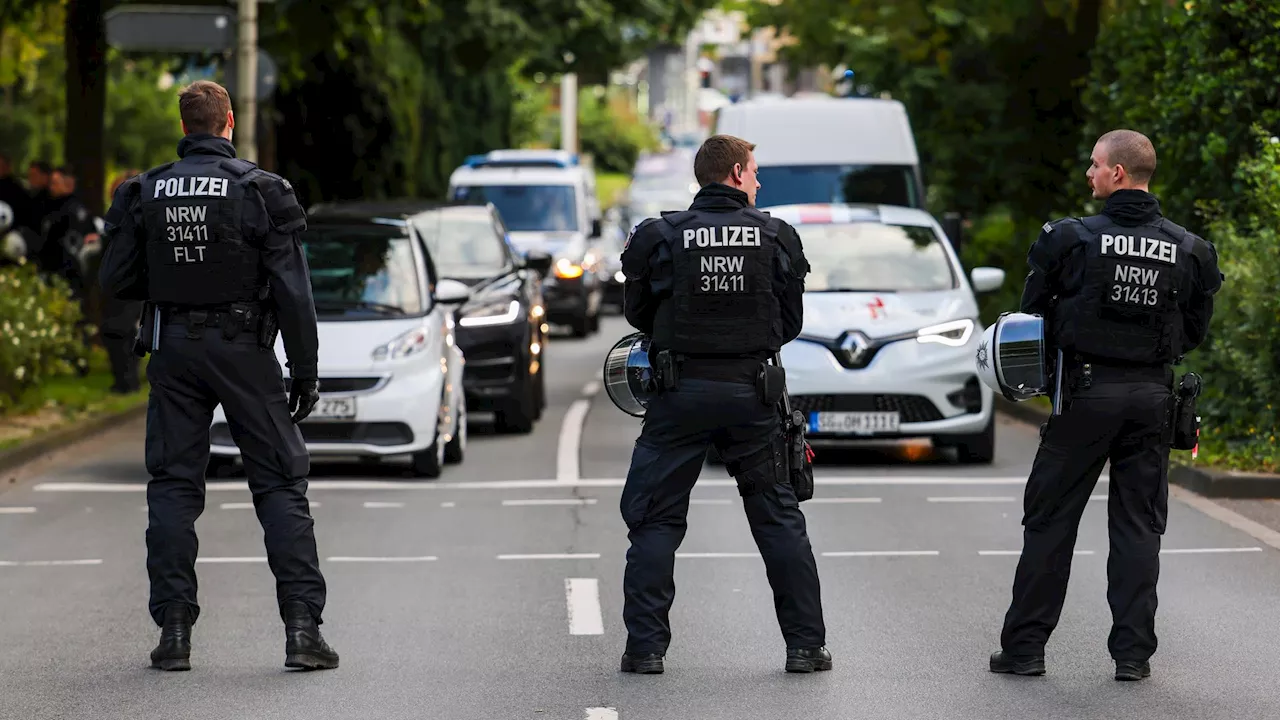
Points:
362	273
801	184
464	248
874	257
527	208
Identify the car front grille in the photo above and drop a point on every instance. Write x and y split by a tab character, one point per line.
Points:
343	384
911	408
364	433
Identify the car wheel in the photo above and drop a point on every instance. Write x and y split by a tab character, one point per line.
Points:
595	320
517	415
581	325
979	449
220	466
540	389
430	462
457	445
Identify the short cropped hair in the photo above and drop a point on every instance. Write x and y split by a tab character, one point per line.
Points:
204	105
1133	150
717	156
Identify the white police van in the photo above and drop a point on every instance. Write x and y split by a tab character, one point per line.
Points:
547	200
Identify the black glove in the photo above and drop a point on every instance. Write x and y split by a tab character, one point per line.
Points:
303	396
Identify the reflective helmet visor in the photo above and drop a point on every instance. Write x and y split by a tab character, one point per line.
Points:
1020	356
628	377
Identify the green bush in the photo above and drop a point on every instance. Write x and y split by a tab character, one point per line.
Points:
1241	362
39	337
610	131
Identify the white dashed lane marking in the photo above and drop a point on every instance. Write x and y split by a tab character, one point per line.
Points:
374	505
582	596
16	510
551	556
47	563
549	501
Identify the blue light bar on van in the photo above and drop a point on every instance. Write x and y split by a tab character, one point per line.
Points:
523	158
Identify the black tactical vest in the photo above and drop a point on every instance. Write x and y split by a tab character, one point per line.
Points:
722	295
196	251
1128	308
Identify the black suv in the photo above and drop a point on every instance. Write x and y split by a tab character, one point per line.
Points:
502	328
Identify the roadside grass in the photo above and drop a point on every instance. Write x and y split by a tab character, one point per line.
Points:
609	187
63	400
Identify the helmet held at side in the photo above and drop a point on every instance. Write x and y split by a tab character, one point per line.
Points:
628	377
1011	357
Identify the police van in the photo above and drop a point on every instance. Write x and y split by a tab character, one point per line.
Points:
547	199
829	150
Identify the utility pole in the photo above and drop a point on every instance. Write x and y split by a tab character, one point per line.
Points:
246	103
569	108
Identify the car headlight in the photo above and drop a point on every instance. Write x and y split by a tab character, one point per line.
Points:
407	344
567	269
954	334
492	314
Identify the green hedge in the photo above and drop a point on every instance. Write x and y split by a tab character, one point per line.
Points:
610	131
39	337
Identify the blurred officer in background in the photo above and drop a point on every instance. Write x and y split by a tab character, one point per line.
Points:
719	289
1125	294
211	241
120	325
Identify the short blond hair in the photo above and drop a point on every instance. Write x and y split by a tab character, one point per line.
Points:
1133	151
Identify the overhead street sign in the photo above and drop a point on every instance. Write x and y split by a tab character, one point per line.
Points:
171	28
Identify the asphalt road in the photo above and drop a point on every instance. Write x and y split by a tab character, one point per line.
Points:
495	592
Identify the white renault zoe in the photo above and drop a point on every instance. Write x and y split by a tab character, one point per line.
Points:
890	331
390	370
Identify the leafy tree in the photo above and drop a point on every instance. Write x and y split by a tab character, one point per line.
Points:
992	87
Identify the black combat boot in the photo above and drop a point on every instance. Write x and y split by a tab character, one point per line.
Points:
807	660
174	650
1132	669
1002	662
304	646
642	663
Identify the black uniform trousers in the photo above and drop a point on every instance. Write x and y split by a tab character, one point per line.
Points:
189	378
678	427
1120	419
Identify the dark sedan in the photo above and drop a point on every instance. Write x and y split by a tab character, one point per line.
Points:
502	328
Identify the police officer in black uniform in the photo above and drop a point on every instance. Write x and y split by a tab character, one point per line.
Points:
719	290
211	241
1125	294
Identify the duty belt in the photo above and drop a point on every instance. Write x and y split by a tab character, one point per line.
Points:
1091	371
232	321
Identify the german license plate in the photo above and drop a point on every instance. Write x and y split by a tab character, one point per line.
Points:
853	423
334	408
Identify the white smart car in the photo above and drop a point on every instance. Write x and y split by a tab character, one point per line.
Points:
390	370
890	331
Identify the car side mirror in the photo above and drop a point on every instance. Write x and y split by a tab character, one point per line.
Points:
451	292
538	261
986	279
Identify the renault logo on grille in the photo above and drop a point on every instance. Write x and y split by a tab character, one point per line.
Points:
855	348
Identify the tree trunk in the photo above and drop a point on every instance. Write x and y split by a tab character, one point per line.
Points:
85	45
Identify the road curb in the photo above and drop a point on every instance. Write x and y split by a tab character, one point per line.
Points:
65	436
1202	481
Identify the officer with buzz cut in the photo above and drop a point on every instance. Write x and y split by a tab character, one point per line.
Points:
211	243
719	289
1125	295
